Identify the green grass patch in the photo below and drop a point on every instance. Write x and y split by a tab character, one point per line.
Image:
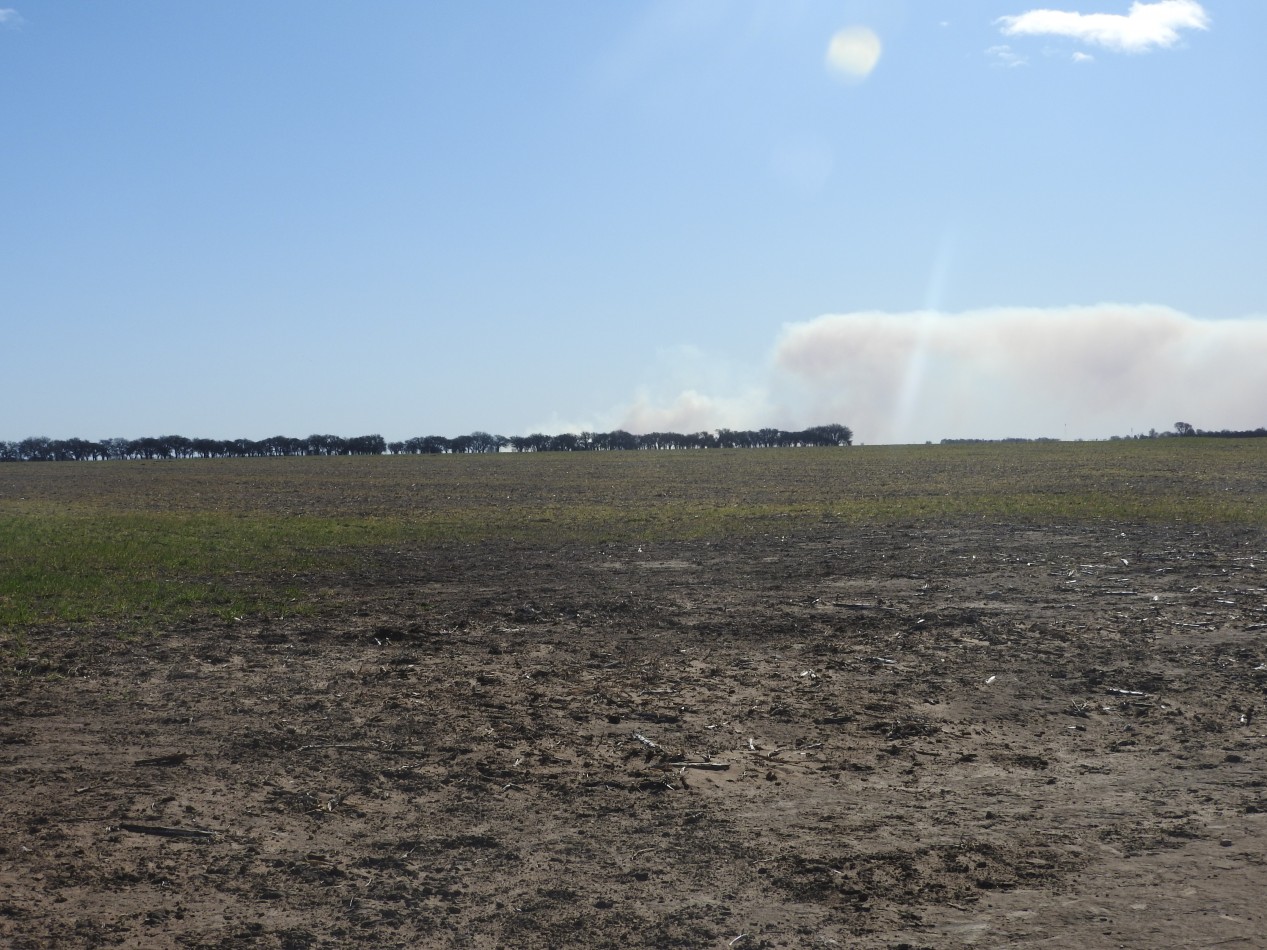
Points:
81	566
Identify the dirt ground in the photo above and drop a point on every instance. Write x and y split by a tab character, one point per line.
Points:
883	737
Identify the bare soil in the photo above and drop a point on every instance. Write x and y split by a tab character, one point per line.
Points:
932	736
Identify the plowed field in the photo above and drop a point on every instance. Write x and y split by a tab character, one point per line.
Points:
785	725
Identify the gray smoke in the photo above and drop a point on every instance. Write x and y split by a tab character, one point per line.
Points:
1088	372
1063	372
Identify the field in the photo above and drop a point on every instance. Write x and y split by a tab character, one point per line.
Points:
932	696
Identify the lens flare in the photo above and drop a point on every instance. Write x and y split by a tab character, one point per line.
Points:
853	53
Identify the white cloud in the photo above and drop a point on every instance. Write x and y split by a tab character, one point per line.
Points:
1080	372
853	53
1006	56
1083	58
8	15
1145	26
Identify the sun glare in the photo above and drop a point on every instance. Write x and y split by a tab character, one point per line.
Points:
853	53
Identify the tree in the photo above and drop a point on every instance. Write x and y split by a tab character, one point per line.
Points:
116	448
35	448
1184	428
79	450
828	435
176	446
484	442
326	445
146	447
621	440
367	445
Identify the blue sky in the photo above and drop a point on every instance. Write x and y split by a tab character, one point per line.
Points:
923	219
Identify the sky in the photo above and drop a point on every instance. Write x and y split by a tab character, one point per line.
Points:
923	219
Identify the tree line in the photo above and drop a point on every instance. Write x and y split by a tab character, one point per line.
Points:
1187	429
1181	430
41	449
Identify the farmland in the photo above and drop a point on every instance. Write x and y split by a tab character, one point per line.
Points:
875	696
